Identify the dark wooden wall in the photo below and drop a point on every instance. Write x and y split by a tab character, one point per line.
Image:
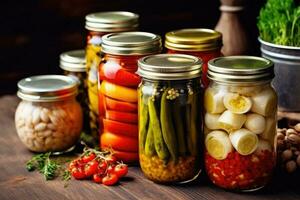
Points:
34	32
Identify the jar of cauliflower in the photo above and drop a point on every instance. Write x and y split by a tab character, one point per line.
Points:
48	119
240	122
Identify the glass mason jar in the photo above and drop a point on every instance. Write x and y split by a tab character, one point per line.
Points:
170	117
48	119
203	43
99	24
73	64
240	122
118	90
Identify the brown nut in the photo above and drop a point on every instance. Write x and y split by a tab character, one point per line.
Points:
297	127
280	136
290	131
294	138
286	155
297	153
291	166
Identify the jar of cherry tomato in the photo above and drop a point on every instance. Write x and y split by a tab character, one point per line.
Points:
170	122
99	24
240	122
118	90
203	43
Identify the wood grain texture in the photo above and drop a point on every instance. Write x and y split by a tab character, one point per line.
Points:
17	183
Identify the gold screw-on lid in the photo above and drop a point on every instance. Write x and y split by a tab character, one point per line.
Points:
131	43
115	21
194	39
73	61
240	69
169	67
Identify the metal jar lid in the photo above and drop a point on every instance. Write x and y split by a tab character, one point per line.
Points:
240	69
169	67
47	88
73	61
194	39
131	43
114	21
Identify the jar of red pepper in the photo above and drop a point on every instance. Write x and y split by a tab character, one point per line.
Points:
99	24
118	90
240	122
202	43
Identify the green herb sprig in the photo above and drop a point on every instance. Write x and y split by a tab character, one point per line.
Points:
279	22
44	165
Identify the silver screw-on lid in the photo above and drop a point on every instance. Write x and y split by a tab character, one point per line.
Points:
241	69
169	67
114	21
131	43
73	61
47	88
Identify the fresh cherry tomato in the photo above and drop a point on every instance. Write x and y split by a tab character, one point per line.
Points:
111	159
110	169
91	168
88	158
121	170
110	179
97	178
102	167
78	173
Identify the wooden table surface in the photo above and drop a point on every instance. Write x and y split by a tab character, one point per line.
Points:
17	183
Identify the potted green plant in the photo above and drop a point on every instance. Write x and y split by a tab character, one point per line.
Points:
279	35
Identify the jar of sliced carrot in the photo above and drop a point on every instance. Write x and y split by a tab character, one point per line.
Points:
204	43
240	122
118	90
99	24
170	117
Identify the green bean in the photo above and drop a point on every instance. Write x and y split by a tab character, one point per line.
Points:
191	117
149	146
179	127
159	143
143	121
167	127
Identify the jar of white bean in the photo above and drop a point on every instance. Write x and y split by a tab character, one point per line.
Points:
48	119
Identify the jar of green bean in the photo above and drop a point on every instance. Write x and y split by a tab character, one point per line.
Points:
170	120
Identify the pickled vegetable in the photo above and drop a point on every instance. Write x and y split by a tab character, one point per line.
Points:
241	158
174	127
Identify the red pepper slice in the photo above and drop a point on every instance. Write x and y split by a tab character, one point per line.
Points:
118	142
122	116
113	72
122	106
126	157
120	128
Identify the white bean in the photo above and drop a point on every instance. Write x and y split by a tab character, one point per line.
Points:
44	115
36	116
51	126
40	126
